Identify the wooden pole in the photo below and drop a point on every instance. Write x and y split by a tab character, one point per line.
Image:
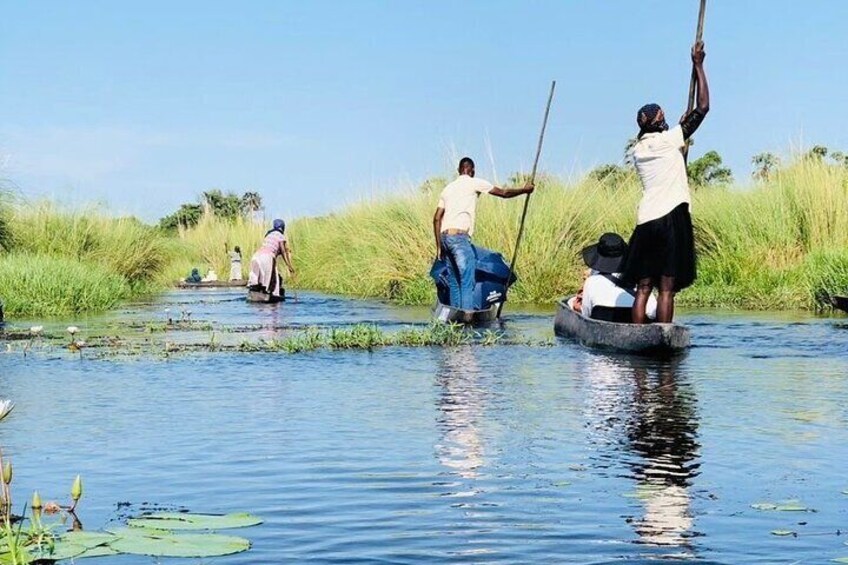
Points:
527	198
699	36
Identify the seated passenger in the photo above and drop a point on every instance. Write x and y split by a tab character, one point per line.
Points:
603	296
211	276
194	277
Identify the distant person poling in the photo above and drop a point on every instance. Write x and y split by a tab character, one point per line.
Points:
264	277
661	251
453	226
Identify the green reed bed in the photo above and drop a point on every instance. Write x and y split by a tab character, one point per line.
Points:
779	244
39	286
58	263
205	246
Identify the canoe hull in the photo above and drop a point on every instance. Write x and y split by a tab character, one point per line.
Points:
841	302
213	284
448	315
260	297
642	339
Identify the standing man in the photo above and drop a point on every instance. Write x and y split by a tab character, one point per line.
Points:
662	250
453	226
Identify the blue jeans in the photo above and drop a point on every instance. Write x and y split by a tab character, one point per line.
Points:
460	256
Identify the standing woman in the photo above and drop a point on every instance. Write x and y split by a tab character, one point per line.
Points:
662	250
263	264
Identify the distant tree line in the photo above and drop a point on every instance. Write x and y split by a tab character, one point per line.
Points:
229	206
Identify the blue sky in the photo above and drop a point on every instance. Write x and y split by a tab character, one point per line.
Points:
141	106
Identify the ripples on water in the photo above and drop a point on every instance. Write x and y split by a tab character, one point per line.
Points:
469	454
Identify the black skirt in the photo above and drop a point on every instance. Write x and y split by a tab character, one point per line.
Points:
662	247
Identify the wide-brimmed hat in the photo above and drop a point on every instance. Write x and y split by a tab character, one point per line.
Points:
607	255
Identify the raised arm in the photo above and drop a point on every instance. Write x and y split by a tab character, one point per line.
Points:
692	120
437	230
512	192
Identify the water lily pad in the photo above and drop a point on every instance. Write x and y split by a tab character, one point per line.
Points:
782	533
792	507
87	539
180	545
99	551
60	550
183	521
764	506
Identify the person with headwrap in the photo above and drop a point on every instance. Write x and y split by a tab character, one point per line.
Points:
263	264
661	251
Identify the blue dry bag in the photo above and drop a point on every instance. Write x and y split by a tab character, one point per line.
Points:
491	274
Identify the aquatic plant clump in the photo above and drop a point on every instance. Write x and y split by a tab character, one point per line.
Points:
44	286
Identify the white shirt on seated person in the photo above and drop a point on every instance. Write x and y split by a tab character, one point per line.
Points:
600	291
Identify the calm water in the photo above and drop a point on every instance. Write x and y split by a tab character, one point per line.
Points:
476	455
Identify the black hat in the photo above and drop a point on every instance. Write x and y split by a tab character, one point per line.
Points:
607	255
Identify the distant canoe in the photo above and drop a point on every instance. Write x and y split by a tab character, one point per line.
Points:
212	284
449	315
643	339
262	297
841	302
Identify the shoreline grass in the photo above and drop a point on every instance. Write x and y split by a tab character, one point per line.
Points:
783	244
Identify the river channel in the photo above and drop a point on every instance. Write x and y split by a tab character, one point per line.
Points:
545	453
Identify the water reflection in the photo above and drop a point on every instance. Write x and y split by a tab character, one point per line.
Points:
461	401
645	410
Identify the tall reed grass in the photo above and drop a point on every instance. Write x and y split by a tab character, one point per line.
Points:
40	286
205	246
59	263
781	244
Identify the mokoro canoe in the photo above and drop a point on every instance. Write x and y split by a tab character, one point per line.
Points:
212	284
644	339
447	314
262	297
841	302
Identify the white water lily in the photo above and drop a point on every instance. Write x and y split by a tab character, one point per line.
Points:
6	406
35	330
72	330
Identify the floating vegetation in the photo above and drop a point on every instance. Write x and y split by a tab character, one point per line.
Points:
365	337
184	521
159	534
785	506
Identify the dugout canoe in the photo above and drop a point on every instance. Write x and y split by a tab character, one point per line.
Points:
449	315
841	302
643	339
212	284
262	297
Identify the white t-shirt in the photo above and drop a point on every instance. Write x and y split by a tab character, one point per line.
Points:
659	161
600	291
459	200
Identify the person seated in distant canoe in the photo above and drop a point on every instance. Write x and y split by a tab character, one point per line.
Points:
604	296
211	276
194	277
235	264
453	226
263	265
